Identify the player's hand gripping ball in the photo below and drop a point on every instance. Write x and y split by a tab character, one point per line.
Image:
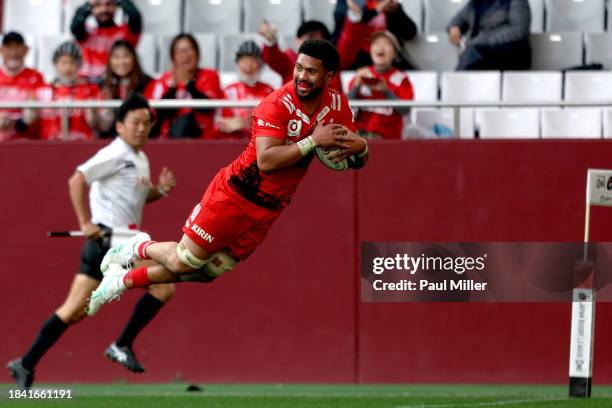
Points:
323	154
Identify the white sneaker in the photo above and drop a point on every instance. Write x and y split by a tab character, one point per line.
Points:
111	288
124	254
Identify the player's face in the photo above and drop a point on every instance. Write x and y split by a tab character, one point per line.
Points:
67	67
249	68
13	55
382	52
309	77
103	10
121	62
135	128
185	56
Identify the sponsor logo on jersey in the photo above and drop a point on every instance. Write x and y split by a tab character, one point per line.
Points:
303	116
263	123
202	234
294	128
323	113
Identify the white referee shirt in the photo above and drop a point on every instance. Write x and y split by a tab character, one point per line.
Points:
119	180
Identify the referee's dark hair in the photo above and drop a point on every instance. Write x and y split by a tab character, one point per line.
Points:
322	50
133	101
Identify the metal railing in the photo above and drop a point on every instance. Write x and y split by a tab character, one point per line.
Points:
65	106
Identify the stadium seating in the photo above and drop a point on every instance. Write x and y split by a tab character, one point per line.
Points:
43	17
555	51
216	16
582	123
599	49
413	8
286	15
438	13
46	45
482	86
425	85
147	53
162	17
537	15
267	76
588	86
320	10
573	15
607	123
432	52
532	86
516	123
208	51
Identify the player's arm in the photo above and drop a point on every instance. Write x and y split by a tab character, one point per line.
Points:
165	185
274	154
79	189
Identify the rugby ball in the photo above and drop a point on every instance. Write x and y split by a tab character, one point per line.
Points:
324	152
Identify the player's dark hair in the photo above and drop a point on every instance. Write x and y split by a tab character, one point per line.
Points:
188	37
324	51
314	26
132	102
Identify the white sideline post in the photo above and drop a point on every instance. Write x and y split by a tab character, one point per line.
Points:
598	192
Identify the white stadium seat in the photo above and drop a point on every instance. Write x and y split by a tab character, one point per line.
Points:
576	123
286	15
575	15
32	16
432	52
599	49
267	77
481	86
320	10
607	123
590	86
537	15
161	17
532	86
147	53
515	123
208	51
216	16
439	13
425	85
555	51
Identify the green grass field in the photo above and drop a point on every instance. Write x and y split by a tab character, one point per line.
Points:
296	396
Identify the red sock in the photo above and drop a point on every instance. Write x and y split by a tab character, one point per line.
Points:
138	276
142	249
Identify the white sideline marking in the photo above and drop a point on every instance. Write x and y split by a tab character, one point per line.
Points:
482	404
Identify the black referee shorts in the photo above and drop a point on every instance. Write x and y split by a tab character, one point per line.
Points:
92	253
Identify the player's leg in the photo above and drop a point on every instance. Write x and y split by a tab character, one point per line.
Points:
70	312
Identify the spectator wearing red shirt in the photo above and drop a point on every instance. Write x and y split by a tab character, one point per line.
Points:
96	41
284	61
236	122
381	81
67	86
365	17
123	75
186	81
17	83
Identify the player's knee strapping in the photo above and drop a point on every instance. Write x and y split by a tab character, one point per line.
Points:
217	264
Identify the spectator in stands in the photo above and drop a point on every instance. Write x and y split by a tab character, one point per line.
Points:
97	41
284	61
123	74
17	83
237	122
494	35
68	85
365	17
186	81
381	81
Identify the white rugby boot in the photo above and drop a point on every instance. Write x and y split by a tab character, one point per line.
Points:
111	288
124	254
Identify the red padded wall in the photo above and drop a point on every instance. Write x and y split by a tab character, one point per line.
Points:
291	313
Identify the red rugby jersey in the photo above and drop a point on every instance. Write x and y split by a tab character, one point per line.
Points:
50	120
281	115
386	122
239	91
20	87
